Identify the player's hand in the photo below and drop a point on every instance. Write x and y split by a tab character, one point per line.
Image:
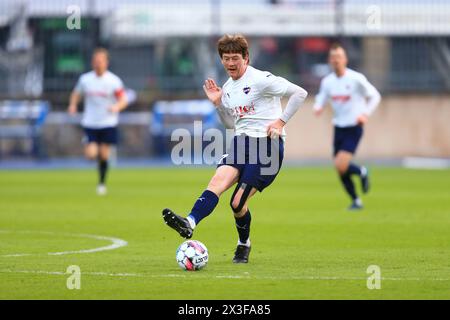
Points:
362	119
72	110
275	129
213	92
318	112
114	108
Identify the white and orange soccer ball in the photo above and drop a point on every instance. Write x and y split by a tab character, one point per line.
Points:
192	255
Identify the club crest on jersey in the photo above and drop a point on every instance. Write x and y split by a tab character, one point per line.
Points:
246	90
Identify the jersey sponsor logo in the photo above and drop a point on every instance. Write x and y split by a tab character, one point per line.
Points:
97	94
340	98
246	90
241	111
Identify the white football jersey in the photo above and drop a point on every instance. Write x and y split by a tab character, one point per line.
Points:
254	100
100	93
347	95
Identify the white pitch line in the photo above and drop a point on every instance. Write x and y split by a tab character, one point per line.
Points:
205	276
115	243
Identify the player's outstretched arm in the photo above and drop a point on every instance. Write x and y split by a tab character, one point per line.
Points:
74	99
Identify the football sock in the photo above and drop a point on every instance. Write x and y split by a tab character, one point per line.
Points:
354	169
247	243
364	171
243	227
348	185
102	170
191	222
203	207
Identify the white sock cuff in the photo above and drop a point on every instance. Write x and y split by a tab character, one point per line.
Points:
191	222
363	171
247	243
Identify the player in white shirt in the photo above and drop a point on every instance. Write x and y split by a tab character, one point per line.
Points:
249	102
104	97
353	100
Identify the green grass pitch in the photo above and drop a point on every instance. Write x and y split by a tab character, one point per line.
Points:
305	244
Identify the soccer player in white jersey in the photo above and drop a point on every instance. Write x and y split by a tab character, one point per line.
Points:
353	100
249	103
104	97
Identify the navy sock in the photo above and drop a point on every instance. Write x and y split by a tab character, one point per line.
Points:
348	185
102	170
204	206
243	226
354	169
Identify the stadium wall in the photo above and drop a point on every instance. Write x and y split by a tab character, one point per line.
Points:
402	126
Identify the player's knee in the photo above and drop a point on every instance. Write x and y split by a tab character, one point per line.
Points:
341	167
238	206
217	183
90	154
241	213
234	204
103	156
341	170
104	152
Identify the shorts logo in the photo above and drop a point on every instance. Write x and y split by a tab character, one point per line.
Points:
223	157
246	90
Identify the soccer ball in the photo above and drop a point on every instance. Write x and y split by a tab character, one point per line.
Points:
192	255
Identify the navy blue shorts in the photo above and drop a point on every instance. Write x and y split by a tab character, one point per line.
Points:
258	159
102	136
347	138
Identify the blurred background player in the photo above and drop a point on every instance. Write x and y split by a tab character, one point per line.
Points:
104	97
353	100
250	104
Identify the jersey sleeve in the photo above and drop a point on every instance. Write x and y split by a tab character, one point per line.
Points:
118	88
271	85
79	87
322	97
223	101
365	87
370	93
296	97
